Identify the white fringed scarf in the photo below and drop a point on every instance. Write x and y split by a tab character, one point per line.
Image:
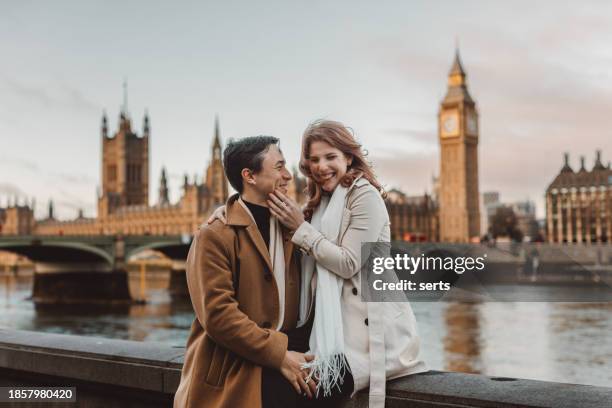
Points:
277	256
327	337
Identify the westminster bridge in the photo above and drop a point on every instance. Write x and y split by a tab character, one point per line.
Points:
92	269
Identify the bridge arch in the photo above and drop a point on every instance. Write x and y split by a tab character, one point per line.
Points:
58	252
171	249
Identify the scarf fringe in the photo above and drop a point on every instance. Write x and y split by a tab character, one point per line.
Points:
328	372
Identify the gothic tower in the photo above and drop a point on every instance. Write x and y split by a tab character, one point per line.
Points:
215	176
51	216
458	135
163	189
125	164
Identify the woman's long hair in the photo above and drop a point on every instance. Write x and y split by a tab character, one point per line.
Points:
339	136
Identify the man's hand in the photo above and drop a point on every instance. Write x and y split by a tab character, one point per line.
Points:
292	371
218	214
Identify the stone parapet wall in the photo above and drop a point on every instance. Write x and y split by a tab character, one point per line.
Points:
122	373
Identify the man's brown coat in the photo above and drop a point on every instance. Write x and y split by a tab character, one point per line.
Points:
233	336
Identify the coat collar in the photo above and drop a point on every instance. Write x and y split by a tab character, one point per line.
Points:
236	213
238	216
358	182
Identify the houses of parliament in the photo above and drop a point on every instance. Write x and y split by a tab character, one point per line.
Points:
123	201
450	213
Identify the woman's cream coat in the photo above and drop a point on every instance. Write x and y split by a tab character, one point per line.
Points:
380	339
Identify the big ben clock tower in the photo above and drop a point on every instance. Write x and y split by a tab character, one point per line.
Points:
458	135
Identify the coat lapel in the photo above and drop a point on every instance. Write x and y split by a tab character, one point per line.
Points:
255	236
238	215
288	246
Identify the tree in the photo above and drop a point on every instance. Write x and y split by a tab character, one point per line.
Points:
504	224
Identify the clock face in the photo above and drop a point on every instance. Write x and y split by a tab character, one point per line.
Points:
449	123
472	124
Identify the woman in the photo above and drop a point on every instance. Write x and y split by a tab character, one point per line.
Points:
367	342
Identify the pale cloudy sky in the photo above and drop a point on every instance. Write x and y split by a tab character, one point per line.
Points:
541	73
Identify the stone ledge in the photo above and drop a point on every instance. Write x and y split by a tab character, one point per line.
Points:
139	365
152	369
471	390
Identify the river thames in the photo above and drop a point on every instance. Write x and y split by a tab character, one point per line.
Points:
564	342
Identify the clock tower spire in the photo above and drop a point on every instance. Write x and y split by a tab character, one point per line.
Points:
458	135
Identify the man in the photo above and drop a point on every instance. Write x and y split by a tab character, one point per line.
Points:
243	278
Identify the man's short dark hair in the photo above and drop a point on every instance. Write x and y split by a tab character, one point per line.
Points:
248	153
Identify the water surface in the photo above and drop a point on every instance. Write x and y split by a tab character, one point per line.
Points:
564	342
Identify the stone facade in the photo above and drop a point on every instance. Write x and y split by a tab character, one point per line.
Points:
125	166
579	204
16	219
412	219
123	202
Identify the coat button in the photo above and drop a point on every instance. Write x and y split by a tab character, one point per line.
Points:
366	321
268	277
266	325
355	291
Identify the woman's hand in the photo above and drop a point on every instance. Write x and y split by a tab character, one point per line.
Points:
286	210
291	369
218	214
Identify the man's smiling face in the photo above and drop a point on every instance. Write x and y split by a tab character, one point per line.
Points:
273	174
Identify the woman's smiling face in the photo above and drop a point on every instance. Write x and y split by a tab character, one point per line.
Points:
327	165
